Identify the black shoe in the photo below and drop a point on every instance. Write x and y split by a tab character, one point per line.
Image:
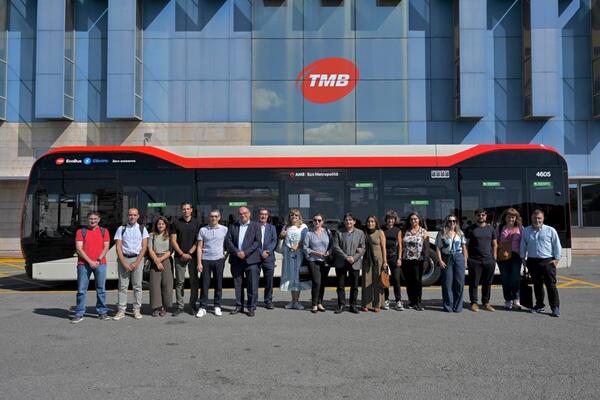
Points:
419	307
177	311
236	310
194	310
269	306
103	317
251	313
339	310
354	310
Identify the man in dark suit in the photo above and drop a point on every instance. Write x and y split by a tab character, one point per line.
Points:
243	242
267	254
348	248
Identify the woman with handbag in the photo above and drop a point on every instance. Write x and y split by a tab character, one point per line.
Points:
295	275
451	250
373	262
509	234
317	247
161	271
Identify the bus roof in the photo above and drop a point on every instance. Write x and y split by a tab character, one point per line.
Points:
308	156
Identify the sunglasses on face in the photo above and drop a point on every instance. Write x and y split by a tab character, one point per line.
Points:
317	220
451	221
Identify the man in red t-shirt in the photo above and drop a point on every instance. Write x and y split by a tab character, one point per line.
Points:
91	244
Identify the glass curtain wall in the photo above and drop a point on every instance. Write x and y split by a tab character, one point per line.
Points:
290	35
3	53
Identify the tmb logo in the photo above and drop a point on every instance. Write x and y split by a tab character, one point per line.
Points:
59	161
328	80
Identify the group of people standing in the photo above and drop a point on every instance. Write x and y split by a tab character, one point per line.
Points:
308	255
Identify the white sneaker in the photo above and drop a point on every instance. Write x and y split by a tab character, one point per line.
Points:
508	305
289	305
386	305
516	304
119	315
201	313
218	312
298	306
399	306
137	314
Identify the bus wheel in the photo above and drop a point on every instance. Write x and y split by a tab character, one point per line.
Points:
431	270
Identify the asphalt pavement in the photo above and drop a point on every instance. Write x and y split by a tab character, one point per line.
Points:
296	354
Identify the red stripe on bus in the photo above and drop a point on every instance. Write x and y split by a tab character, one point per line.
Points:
303	162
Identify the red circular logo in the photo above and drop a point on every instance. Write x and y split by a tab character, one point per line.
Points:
59	161
328	80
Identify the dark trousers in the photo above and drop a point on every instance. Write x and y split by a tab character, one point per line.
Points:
250	274
268	270
510	272
396	278
354	277
453	282
161	285
543	272
481	271
413	274
214	267
318	274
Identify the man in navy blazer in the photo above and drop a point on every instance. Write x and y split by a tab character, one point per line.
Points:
243	242
267	254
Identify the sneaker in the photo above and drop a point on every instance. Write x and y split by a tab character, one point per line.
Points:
289	305
76	319
103	317
508	305
298	306
399	306
218	312
156	312
162	312
556	312
537	309
419	307
488	307
137	314
516	304
201	313
119	315
386	305
474	307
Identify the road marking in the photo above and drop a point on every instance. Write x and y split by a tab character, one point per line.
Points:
571	283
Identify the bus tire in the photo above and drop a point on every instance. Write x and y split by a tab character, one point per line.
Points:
431	269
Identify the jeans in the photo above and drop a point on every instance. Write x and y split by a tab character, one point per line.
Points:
84	272
136	283
192	267
543	272
510	272
319	272
481	271
216	268
453	282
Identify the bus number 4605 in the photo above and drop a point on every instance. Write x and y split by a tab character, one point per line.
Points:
543	174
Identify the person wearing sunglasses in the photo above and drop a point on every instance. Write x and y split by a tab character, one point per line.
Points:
451	250
317	247
483	251
293	277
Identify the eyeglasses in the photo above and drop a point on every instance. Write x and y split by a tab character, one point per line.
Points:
451	221
317	220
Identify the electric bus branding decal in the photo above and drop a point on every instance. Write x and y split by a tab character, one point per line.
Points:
327	80
59	161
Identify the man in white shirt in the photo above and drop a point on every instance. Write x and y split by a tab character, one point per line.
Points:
132	242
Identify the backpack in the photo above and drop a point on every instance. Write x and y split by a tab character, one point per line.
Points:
84	231
125	226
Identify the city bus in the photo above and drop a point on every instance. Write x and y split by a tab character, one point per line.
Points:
433	180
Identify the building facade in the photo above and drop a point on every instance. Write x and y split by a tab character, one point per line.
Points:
299	72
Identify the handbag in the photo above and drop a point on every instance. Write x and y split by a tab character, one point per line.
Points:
505	251
148	263
384	277
525	290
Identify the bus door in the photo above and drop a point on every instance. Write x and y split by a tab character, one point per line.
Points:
494	189
61	205
315	190
546	188
362	192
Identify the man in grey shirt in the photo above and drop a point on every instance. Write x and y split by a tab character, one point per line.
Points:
210	250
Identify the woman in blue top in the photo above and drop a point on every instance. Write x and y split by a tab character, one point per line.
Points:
451	250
